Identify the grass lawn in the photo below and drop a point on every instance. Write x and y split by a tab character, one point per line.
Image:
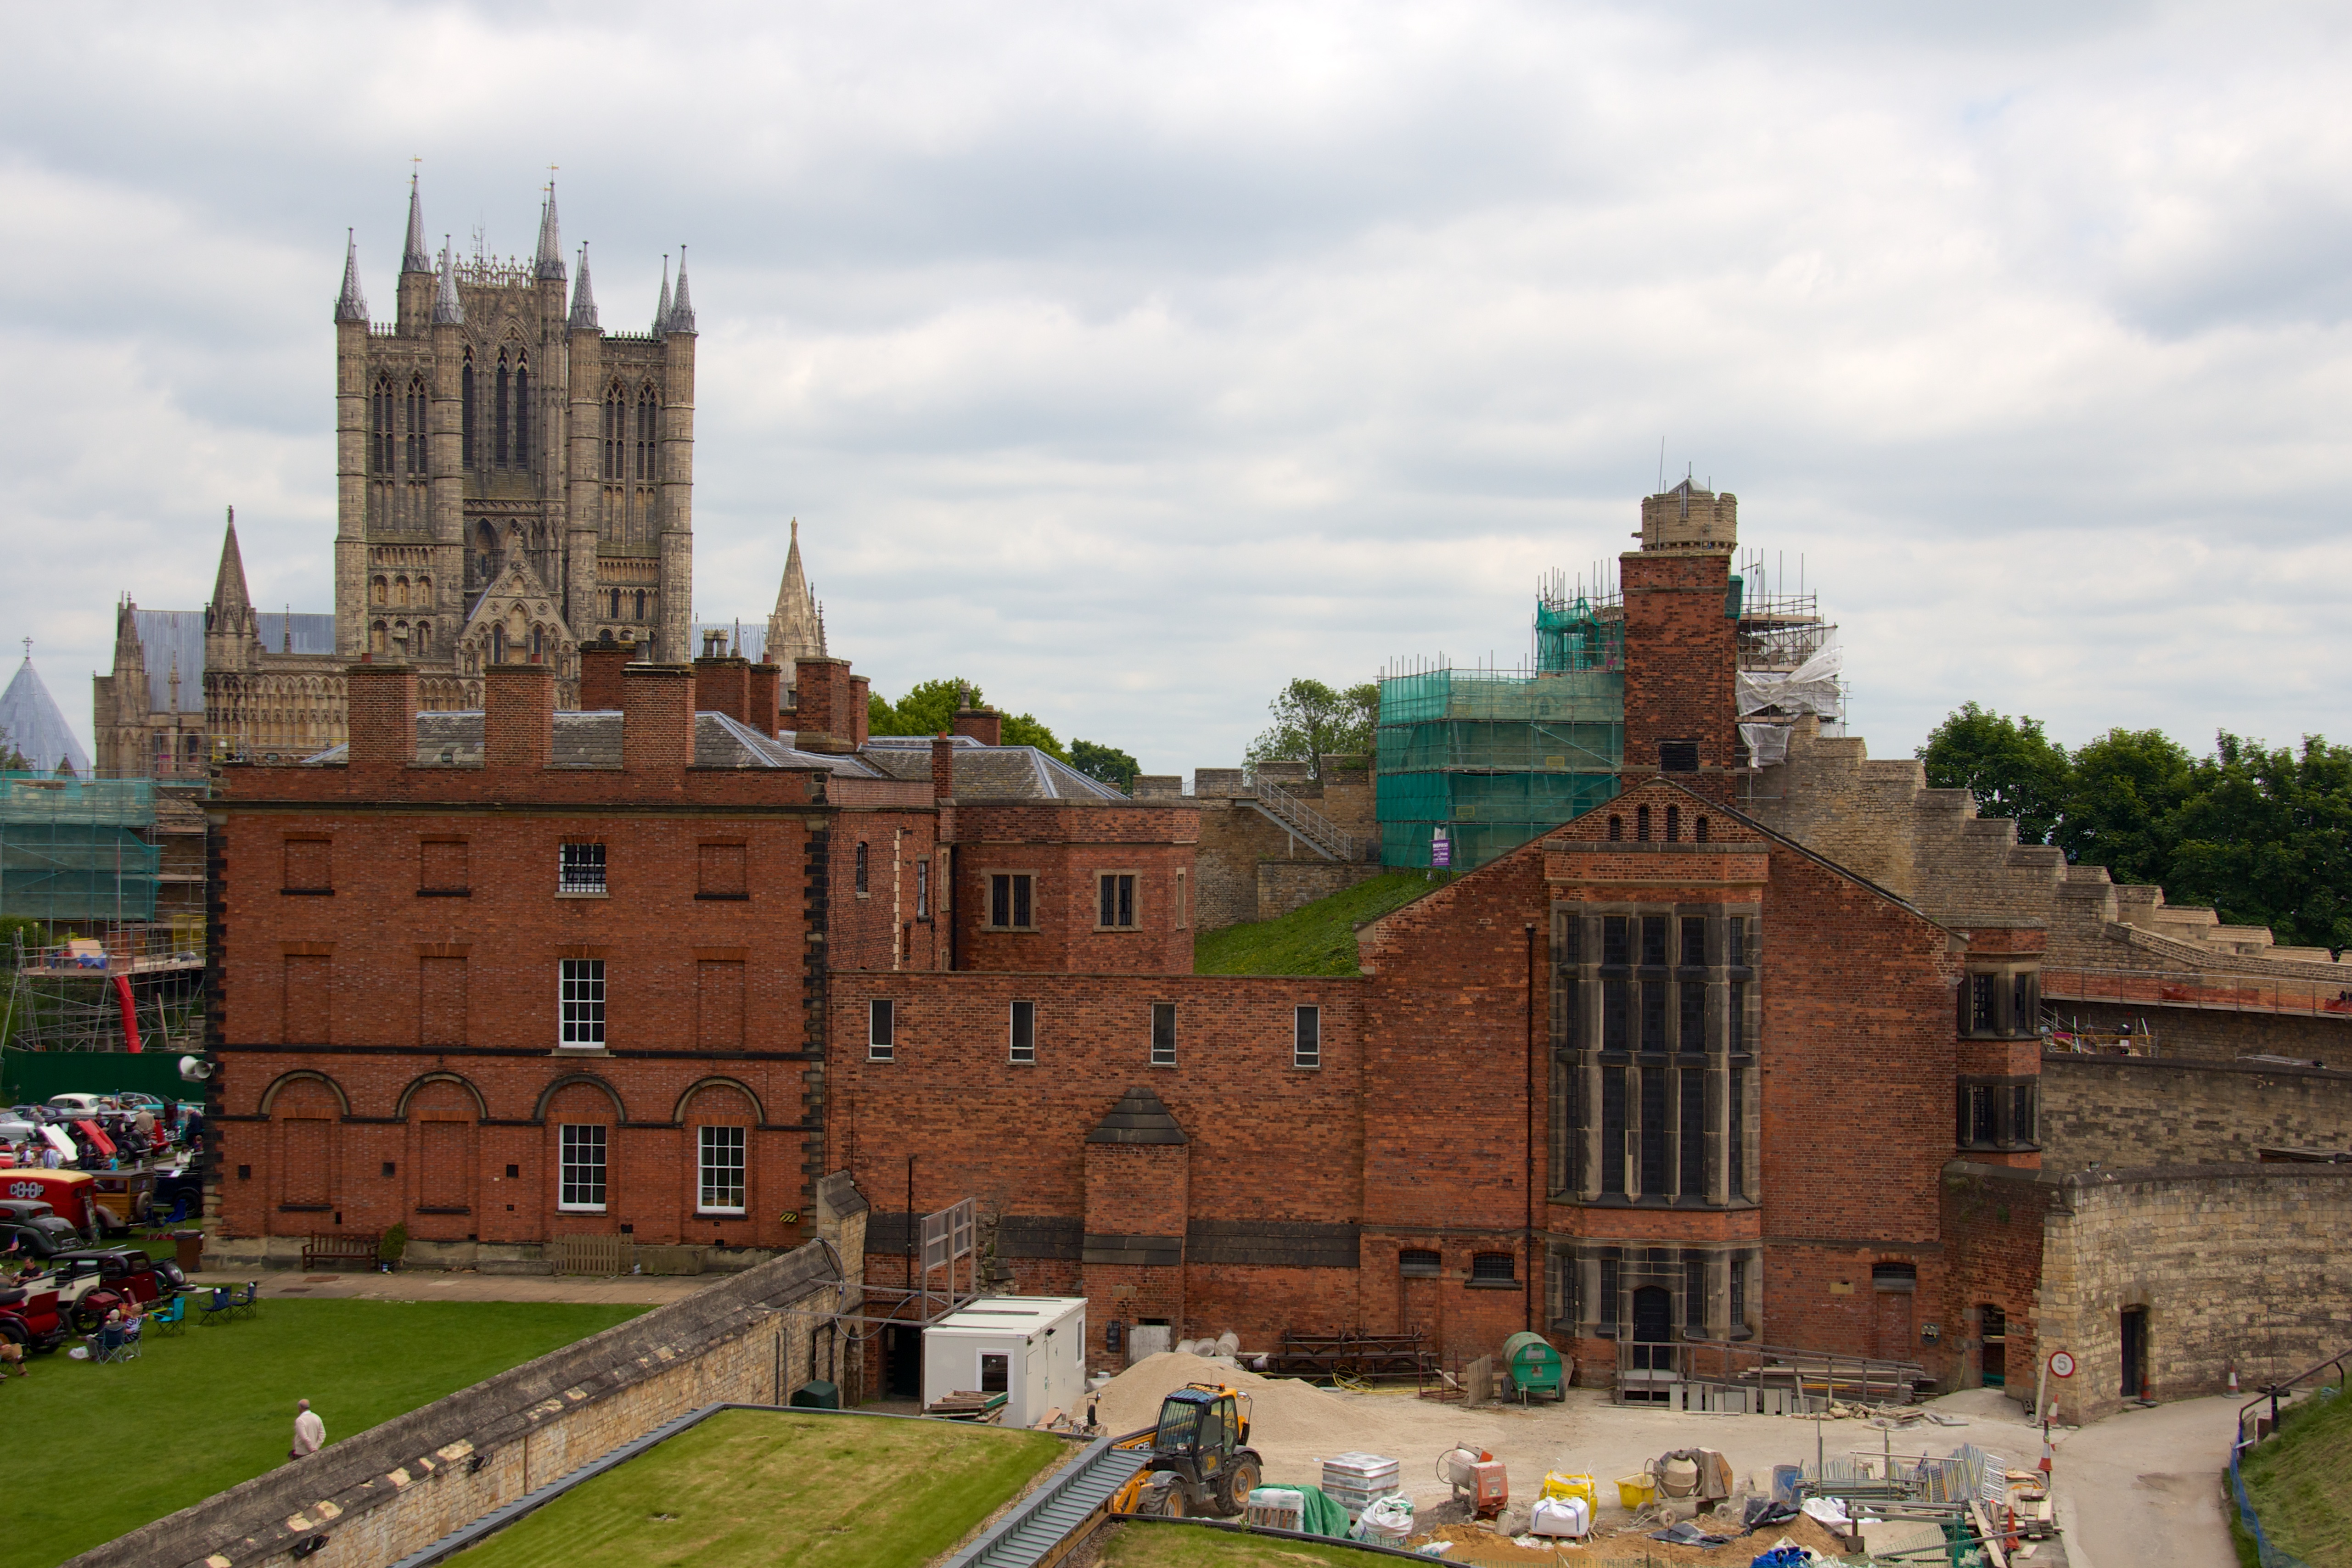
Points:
750	1487
1174	1546
2301	1483
1318	938
103	1450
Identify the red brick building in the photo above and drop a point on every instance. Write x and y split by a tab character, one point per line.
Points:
1660	1077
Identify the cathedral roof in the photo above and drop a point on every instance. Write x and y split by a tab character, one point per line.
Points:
34	725
794	631
415	258
351	305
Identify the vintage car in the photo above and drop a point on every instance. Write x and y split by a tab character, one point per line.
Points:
40	1238
73	1193
91	1282
29	1314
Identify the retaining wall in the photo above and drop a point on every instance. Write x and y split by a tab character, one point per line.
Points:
2134	1112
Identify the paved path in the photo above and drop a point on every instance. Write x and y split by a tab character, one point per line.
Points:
2143	1487
437	1285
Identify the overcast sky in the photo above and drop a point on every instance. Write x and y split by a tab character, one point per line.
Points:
1130	360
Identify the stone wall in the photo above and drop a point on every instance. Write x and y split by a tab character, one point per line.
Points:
2202	1034
1285	885
397	1487
2130	1112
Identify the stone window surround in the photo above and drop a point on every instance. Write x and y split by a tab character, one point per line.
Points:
1572	1303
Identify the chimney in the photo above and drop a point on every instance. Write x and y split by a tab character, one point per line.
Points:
600	663
723	685
766	681
519	717
984	725
656	718
942	768
861	698
381	705
824	723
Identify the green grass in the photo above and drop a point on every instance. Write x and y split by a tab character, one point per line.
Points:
1185	1546
104	1449
750	1487
1318	938
2301	1483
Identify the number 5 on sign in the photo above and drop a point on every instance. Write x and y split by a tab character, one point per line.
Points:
2061	1363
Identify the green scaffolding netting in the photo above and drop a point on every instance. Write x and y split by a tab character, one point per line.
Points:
1495	759
70	848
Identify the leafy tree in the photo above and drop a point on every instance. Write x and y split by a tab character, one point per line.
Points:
930	707
2008	764
2265	838
1312	720
1108	764
2126	787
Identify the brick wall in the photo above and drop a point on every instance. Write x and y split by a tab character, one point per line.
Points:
1285	885
1993	1225
2120	1111
1679	657
1064	849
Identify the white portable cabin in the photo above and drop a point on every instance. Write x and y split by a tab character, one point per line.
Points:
1031	1349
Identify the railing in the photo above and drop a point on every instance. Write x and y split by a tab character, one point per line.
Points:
1774	1377
2203	990
2270	1556
1305	822
123	949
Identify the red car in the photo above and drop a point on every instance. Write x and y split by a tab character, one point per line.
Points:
31	1317
92	1283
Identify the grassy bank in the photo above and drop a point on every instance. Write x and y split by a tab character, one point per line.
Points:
105	1449
1318	938
2301	1483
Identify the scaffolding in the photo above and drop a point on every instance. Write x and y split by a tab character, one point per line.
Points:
126	988
77	848
1790	663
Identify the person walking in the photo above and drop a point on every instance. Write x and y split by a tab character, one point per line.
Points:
309	1432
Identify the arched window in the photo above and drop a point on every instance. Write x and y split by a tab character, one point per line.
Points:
416	447
1700	834
423	637
616	430
1616	827
498	417
641	604
1641	823
648	418
522	413
466	455
1673	824
378	637
376	592
539	645
497	645
617	604
380	427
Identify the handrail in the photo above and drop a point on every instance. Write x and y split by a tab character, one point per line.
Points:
1304	820
2273	1390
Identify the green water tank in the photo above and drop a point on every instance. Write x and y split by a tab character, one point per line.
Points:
816	1393
1533	1364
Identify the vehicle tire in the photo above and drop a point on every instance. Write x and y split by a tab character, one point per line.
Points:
89	1314
1240	1480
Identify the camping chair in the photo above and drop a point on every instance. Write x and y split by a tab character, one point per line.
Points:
246	1303
215	1307
171	1319
116	1341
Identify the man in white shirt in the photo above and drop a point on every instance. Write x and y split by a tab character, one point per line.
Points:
309	1432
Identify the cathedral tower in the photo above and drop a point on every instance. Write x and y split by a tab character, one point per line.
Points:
512	479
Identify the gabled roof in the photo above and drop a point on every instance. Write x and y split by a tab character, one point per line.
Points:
1139	1117
592	738
989	772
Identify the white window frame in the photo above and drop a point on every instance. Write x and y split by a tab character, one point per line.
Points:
579	1004
1157	1059
723	1141
1307	1037
1016	1052
881	1031
574	882
591	1136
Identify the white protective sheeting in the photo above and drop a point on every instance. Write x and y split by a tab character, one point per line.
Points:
1768	744
1811	687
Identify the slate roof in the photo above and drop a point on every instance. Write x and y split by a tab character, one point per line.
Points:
35	725
989	772
1140	1117
593	739
166	634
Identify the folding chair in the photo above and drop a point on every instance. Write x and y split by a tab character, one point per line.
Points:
115	1342
171	1319
215	1306
246	1303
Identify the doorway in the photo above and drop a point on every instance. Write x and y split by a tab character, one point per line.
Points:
902	1362
2135	1367
1993	1331
1654	1332
1893	1288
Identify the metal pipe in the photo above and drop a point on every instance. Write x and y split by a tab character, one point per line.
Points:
1528	1287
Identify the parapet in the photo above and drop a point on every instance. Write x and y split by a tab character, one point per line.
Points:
1687	517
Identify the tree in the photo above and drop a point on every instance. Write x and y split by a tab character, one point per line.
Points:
1108	764
929	708
1312	721
2265	837
2126	787
2008	765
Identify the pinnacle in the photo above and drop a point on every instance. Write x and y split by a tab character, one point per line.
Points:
352	304
549	261
447	310
661	312
584	298
681	310
415	258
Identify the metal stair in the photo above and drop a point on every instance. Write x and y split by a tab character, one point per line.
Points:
1045	1518
1302	821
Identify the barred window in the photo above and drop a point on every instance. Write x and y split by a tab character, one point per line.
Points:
580	868
1023	1027
1739	1283
862	861
1116	900
1691	1026
722	1170
1695	1293
1653	940
1735	1139
1307	1038
1498	1268
1418	1263
582	1167
580	996
1694	942
881	1032
1163	1034
922	890
1735	1015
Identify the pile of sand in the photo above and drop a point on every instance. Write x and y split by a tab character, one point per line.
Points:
1282	1410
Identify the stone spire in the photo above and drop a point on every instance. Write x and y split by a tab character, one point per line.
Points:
231	605
681	308
661	312
584	298
549	262
794	630
352	304
446	310
416	258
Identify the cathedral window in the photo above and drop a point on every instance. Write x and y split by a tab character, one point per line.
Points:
616	430
641	604
648	417
376	591
416	421
380	428
377	637
423	637
466	412
539	645
523	415
498	417
497	645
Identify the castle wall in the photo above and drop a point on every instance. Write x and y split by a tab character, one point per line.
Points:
2125	1112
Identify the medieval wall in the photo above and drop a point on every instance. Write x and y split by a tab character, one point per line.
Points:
2128	1112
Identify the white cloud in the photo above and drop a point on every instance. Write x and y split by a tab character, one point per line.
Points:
1131	360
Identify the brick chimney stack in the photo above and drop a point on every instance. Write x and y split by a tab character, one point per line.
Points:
723	685
861	708
942	768
1682	642
766	682
824	722
601	663
656	718
984	725
381	702
518	716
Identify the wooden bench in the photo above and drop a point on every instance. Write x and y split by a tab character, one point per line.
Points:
328	1250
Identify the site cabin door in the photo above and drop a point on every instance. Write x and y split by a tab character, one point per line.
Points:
1653	1328
2135	1367
902	1362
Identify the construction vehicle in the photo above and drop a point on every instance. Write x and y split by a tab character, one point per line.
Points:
1200	1461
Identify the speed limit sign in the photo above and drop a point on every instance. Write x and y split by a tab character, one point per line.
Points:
2061	1363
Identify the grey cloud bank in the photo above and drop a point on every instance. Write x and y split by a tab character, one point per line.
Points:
1130	360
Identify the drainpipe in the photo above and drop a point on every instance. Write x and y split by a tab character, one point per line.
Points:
1528	1287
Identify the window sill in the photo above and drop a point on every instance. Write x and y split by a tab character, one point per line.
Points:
1492	1285
1163	1066
578	1209
1009	930
1419	1274
305	1207
884	1060
445	892
1306	1066
1119	930
718	1214
1020	1062
723	897
582	893
580	1051
306	893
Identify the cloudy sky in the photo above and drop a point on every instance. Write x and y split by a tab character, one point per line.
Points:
1129	360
